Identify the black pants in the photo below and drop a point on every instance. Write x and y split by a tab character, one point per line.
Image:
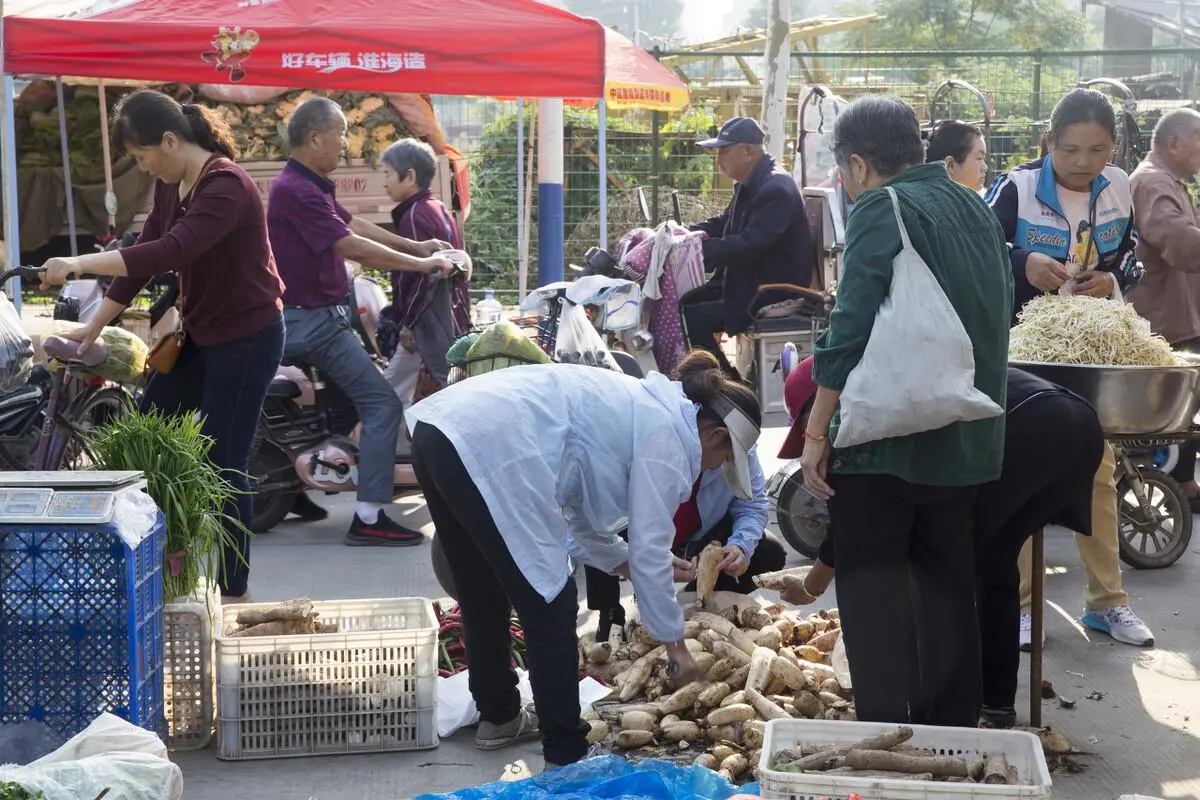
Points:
1033	491
1185	470
227	384
604	590
490	585
703	313
906	586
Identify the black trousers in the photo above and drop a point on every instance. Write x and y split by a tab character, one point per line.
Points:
604	590
1185	470
227	384
906	592
703	315
490	585
1033	491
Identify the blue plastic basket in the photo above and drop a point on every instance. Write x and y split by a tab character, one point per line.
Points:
81	626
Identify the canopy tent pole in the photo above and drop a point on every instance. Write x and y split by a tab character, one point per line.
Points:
8	172
12	225
550	191
527	193
522	252
66	163
110	197
602	146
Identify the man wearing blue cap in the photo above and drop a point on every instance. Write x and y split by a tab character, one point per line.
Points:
762	238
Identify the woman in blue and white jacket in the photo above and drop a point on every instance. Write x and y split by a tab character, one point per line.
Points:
1068	219
1068	216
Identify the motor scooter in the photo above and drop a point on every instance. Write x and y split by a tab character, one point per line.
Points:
307	436
803	518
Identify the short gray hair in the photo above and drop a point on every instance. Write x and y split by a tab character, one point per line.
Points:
881	130
315	115
412	154
1179	122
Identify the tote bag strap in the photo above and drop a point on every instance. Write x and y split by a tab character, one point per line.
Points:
899	220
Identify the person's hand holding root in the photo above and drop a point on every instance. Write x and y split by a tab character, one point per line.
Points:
734	563
685	571
681	667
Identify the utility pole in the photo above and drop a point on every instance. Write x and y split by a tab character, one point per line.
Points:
778	58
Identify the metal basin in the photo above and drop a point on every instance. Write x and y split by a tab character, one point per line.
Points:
1131	400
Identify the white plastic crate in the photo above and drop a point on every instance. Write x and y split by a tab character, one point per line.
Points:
371	687
188	628
1023	751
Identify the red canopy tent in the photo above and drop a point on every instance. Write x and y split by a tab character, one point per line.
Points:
467	47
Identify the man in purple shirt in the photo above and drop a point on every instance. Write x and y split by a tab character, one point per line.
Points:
312	235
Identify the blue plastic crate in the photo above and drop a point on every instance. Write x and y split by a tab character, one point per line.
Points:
81	626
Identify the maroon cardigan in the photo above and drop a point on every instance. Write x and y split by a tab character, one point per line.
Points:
218	244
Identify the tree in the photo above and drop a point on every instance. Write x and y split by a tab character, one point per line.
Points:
659	18
979	24
756	15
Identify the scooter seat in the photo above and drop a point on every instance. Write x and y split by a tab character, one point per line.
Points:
283	389
66	350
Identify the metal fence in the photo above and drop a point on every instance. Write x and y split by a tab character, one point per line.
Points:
658	152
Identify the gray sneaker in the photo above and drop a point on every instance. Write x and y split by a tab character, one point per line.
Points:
520	728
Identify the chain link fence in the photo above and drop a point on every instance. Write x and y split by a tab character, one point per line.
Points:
661	157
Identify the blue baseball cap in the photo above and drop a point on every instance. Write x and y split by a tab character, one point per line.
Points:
738	130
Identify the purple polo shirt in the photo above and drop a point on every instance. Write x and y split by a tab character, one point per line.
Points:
305	221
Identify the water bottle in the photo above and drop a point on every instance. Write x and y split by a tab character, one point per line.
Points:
489	309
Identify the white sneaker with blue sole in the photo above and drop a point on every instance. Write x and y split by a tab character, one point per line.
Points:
1121	624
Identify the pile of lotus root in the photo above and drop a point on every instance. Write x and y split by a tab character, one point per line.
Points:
286	619
761	664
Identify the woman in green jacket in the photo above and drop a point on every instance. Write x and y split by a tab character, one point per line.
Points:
903	507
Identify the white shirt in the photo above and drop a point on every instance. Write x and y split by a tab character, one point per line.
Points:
566	456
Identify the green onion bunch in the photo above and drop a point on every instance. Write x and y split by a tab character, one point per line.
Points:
192	493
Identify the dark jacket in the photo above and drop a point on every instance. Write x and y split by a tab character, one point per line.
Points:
1026	203
761	238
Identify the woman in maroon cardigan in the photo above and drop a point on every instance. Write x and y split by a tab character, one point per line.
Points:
209	225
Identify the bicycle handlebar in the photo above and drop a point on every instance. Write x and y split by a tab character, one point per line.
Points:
22	272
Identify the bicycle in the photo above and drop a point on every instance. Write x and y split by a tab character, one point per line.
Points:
65	405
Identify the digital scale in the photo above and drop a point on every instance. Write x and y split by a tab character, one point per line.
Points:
75	498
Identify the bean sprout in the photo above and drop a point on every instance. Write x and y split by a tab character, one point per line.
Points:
1076	329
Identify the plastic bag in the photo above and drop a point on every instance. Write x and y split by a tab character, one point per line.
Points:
16	348
608	778
578	342
918	370
108	754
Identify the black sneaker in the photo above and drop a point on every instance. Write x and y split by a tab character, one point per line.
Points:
383	532
608	618
307	510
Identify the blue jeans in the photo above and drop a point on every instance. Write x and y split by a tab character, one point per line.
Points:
227	384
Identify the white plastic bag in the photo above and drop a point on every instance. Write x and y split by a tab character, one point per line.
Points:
917	372
108	754
578	342
16	348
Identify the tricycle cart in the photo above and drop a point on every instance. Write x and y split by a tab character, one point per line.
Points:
1141	409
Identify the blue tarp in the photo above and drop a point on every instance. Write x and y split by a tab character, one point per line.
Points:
609	778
